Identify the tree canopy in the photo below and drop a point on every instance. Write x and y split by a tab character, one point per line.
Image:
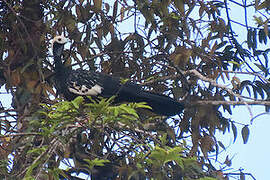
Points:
193	51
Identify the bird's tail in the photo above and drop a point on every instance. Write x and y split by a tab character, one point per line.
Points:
160	104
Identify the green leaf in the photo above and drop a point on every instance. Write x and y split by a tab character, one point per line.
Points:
38	150
96	162
56	172
128	110
29	178
158	155
30	170
163	139
139	166
235	63
142	105
176	150
207	178
77	102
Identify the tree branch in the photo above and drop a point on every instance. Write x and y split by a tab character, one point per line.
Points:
263	103
19	134
213	82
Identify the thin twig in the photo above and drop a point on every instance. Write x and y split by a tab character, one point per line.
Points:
238	174
264	113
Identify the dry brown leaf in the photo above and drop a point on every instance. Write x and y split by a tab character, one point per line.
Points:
15	78
180	56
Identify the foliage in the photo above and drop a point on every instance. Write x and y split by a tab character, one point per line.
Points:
186	49
60	123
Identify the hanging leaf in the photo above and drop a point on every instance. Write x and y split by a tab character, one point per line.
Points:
234	129
254	40
115	9
15	78
221	145
258	20
122	13
262	36
266	30
179	4
255	93
245	133
228	161
235	82
78	12
249	38
245	84
107	7
263	5
201	10
98	4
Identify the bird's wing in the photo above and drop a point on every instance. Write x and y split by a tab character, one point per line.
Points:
84	83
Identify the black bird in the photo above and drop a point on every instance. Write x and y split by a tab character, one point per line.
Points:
73	83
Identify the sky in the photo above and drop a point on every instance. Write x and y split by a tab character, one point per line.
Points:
252	157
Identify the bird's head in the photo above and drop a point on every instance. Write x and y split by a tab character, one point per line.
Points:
58	43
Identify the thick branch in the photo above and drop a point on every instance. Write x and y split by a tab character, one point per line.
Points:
264	103
19	134
213	82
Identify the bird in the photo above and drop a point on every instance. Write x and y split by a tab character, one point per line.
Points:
79	82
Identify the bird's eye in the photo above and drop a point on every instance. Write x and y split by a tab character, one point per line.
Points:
59	39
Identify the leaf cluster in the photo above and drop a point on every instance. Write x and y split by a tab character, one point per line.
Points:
70	131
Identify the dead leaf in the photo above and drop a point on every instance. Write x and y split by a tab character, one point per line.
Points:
181	56
228	161
236	82
15	78
207	143
98	4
